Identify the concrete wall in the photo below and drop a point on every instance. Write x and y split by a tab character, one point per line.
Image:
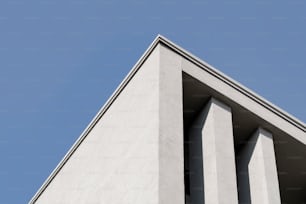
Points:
134	154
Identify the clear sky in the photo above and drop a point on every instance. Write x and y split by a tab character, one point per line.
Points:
61	60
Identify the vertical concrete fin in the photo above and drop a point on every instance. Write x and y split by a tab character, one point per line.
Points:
213	128
257	172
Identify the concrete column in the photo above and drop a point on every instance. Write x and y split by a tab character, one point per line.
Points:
213	129
171	135
257	173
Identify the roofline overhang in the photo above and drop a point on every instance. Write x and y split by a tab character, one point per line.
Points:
233	83
201	64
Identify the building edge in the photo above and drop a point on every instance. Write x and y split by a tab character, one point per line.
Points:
200	63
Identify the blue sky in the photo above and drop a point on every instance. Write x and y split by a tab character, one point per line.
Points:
61	60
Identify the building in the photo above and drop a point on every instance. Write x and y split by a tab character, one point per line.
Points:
178	131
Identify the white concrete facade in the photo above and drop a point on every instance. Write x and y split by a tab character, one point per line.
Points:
174	132
118	162
136	148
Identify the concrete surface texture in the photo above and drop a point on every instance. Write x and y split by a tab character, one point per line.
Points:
118	162
178	131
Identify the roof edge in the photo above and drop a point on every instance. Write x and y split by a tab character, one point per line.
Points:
233	83
207	67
